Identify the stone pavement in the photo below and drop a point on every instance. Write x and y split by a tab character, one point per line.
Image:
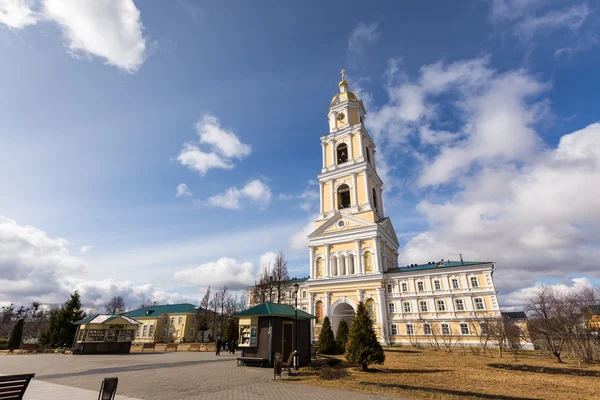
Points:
157	376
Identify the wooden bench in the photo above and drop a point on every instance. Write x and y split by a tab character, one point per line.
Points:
32	347
171	346
288	365
194	347
14	386
252	361
148	346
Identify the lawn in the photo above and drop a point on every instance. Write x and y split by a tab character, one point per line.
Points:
427	374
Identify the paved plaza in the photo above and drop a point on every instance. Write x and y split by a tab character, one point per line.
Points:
159	376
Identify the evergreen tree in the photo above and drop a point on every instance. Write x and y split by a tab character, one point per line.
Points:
341	336
362	347
14	342
326	343
61	330
231	331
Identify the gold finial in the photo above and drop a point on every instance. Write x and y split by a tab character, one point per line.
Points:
343	75
343	84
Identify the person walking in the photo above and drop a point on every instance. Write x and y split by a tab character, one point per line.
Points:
218	345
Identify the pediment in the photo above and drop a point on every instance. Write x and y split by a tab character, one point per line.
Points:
386	224
340	222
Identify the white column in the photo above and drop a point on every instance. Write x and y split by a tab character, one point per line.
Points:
359	294
327	301
373	158
367	189
385	258
324	158
313	273
351	155
333	266
382	312
332	200
360	144
358	268
378	256
347	264
354	191
327	262
333	160
321	190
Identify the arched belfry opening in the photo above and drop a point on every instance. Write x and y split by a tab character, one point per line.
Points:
343	197
342	153
368	155
342	311
375	200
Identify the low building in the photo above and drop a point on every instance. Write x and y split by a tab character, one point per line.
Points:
104	334
172	323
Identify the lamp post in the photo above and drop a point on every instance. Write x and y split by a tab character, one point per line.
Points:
296	287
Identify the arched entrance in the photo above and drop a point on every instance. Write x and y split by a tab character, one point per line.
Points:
342	311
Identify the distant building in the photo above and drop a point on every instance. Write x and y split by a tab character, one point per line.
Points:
171	323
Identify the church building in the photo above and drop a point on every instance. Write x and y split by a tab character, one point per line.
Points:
353	251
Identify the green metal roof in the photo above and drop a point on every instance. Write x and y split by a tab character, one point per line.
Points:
153	311
435	265
280	310
86	319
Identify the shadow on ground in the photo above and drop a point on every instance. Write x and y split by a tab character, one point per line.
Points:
403	351
546	370
461	393
409	371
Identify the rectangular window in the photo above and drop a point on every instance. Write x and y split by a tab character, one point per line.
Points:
172	320
484	328
437	285
192	333
445	329
392	307
423	306
410	329
406	306
479	304
137	332
420	286
304	309
151	330
166	320
179	320
460	305
194	320
164	332
304	294
474	282
455	284
441	305
464	329
389	288
394	329
144	330
404	287
427	329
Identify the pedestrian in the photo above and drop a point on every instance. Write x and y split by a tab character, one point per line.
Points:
218	345
232	346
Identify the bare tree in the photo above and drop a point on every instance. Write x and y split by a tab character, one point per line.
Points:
280	277
214	306
147	303
203	310
223	299
115	305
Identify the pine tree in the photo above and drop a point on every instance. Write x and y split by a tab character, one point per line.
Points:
14	342
326	343
362	347
341	336
61	330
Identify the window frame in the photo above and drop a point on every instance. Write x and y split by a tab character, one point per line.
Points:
437	285
474	279
420	286
466	327
389	288
179	320
192	333
144	330
393	329
447	326
455	283
462	304
392	308
423	303
481	301
410	329
404	287
405	305
172	320
440	305
427	329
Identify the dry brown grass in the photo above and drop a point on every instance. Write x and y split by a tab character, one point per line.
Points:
426	374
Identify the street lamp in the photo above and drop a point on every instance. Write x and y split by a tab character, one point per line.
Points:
296	287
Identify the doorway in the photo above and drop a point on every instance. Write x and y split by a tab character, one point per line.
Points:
342	311
287	344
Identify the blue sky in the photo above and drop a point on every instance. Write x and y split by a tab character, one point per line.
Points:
483	113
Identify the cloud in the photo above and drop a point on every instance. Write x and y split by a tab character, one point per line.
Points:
299	240
111	30
17	14
267	259
225	271
32	264
309	198
182	190
85	249
571	18
362	36
518	299
256	192
224	147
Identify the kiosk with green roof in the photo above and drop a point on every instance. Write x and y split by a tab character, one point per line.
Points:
104	333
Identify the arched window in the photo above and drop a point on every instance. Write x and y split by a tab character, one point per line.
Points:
333	266
342	153
351	265
375	200
319	311
371	308
320	268
342	265
368	262
368	155
343	197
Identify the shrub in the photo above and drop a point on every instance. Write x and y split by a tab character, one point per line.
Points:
17	334
326	343
329	374
341	336
362	347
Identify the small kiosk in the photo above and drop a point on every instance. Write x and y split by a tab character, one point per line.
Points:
269	328
104	334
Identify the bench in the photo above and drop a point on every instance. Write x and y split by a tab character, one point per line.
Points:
14	386
31	347
313	352
252	361
194	347
171	346
148	346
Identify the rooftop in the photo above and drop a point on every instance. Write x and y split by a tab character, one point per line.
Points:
274	309
514	314
159	309
103	318
435	265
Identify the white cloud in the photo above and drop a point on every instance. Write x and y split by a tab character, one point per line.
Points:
225	271
309	198
518	298
256	192
111	30
571	18
17	14
85	249
363	35
182	190
224	147
299	240
31	263
266	260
